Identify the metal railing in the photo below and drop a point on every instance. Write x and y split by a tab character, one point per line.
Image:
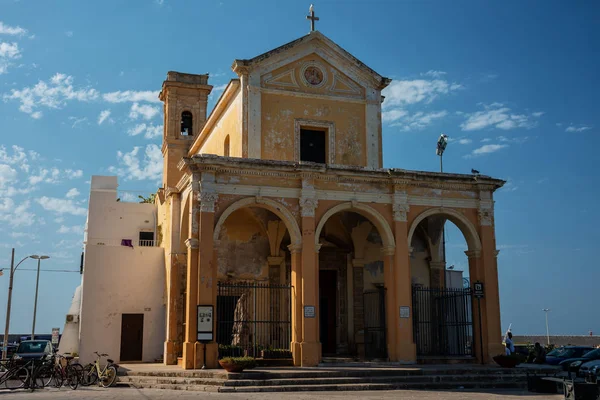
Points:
252	317
443	321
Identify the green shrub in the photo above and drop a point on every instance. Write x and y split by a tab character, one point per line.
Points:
246	362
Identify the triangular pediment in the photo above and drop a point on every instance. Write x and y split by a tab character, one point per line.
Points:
317	43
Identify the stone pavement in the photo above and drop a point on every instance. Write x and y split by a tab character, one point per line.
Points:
119	393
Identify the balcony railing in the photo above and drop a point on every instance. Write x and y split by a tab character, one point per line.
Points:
122	242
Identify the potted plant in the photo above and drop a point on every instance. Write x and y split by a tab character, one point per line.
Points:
237	364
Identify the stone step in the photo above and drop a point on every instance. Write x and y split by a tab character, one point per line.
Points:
376	386
176	380
378	379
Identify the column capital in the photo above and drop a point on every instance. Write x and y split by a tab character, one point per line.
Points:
473	253
295	248
388	250
208	200
308	205
192	243
401	212
439	265
275	260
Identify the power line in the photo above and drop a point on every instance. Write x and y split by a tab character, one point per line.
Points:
49	270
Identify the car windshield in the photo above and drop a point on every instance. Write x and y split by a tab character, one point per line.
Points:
563	352
592	354
32	347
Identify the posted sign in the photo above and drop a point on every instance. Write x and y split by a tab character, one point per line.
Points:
205	323
55	333
478	290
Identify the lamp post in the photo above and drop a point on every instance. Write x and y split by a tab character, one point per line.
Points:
547	331
8	303
441	146
37	282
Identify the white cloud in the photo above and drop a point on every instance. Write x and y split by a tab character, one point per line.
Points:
20	235
12	30
69	33
144	111
538	114
518	140
393	115
577	128
72	193
103	116
70	229
404	92
486	140
464	141
73	173
7	175
9	50
488	148
59	220
77	121
150	131
418	120
132	96
509	186
434	74
150	167
61	206
496	115
16	214
53	94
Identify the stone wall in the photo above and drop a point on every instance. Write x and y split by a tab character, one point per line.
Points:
573	340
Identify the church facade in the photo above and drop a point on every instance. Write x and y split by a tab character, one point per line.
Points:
277	213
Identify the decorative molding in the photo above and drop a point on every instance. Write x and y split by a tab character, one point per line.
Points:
352	87
295	248
329	127
437	265
472	254
401	212
317	65
318	247
192	243
486	210
274	80
459	219
313	96
208	201
308	206
388	250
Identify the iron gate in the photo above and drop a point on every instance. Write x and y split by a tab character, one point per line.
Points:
443	321
252	317
375	340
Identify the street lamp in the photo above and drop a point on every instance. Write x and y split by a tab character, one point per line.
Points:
37	282
441	146
8	303
547	331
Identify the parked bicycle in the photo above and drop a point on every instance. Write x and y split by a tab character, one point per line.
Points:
93	373
66	372
13	376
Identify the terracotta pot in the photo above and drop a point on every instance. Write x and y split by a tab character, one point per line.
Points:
231	367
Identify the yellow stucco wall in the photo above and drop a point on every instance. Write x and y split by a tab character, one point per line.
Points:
228	123
278	128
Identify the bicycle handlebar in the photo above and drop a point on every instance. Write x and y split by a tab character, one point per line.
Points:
101	355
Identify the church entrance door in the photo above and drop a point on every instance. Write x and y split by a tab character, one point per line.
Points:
328	310
132	335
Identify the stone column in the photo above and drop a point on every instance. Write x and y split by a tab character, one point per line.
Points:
207	273
297	316
310	345
479	330
437	270
391	317
350	302
170	346
405	346
358	300
192	243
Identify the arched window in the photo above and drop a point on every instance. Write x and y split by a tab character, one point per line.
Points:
226	146
186	123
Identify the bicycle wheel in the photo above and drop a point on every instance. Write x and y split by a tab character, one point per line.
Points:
58	376
109	377
89	376
17	379
72	377
43	376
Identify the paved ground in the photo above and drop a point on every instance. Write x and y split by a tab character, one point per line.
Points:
152	394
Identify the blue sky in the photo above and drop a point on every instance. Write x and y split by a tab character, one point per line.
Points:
514	84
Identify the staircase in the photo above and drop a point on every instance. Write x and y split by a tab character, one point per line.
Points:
333	378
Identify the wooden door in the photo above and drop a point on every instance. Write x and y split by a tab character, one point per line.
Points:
132	335
328	310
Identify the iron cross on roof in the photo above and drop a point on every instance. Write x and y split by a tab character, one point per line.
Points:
312	18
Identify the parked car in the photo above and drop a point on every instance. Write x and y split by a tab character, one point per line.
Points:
573	364
32	350
562	353
587	367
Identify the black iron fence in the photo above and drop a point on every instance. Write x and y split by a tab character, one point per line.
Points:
375	339
254	319
443	321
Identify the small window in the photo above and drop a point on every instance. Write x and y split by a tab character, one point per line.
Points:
186	123
312	146
147	239
226	147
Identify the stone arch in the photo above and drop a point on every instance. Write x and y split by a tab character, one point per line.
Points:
462	222
368	212
268	204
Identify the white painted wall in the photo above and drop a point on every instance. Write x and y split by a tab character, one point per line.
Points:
117	279
69	341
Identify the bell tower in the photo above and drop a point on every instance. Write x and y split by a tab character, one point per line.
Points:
185	98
